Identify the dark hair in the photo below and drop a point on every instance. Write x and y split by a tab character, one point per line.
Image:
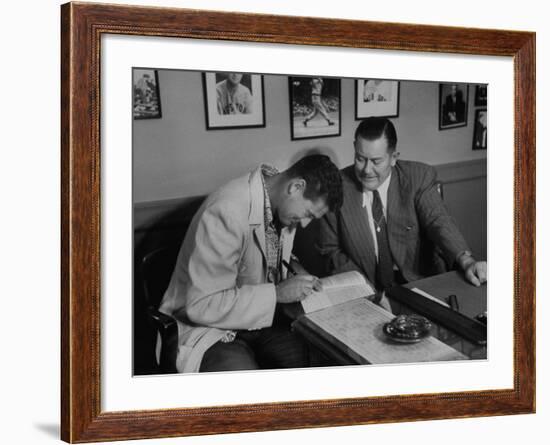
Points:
373	128
322	179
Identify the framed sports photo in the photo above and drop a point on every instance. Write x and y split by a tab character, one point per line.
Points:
315	105
376	97
126	179
233	100
146	94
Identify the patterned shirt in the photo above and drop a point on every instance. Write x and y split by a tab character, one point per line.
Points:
272	236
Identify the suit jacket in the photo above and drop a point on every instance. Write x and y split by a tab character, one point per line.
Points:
416	219
219	283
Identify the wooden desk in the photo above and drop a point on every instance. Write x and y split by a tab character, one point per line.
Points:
360	340
471	300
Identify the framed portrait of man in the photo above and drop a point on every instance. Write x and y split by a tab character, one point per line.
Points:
233	100
453	105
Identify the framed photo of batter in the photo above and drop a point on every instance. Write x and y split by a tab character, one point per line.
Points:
376	97
315	109
233	100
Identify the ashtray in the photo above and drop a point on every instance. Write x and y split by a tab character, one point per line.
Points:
408	328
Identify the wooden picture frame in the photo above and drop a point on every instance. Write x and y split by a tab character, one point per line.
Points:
383	103
83	25
233	115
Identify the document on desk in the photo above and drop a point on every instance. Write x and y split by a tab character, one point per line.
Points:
356	327
338	289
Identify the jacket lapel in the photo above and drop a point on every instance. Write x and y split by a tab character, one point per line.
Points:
396	211
256	217
356	219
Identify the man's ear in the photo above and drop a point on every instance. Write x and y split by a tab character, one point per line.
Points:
394	157
296	185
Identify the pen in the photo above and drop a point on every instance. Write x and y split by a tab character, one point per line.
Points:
289	267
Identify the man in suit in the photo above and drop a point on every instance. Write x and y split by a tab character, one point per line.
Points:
229	275
392	216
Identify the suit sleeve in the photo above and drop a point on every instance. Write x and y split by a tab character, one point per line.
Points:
440	227
330	248
213	297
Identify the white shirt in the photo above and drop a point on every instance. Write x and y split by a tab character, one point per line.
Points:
367	205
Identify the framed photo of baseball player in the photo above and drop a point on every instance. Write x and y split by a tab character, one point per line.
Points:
233	100
315	109
376	97
146	94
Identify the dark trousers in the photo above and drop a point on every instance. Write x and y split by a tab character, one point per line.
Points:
267	348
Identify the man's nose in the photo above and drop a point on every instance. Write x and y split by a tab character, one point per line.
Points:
368	167
304	222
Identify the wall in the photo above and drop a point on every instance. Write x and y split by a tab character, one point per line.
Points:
176	157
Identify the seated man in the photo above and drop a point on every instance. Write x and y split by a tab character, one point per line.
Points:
229	277
390	208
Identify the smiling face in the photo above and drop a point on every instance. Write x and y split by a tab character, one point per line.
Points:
373	161
234	78
295	209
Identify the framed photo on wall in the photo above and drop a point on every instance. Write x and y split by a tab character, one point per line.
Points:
480	130
233	100
481	96
315	110
376	97
146	94
453	105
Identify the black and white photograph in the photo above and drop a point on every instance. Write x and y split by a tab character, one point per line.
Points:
233	100
480	130
146	94
453	105
481	96
314	107
253	252
376	97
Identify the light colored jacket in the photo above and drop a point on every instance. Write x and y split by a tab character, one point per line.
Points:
219	283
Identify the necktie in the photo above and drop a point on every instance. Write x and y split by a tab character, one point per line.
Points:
384	267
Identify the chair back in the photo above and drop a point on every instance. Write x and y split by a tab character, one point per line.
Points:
156	270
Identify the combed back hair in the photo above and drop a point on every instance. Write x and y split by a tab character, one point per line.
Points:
373	128
322	178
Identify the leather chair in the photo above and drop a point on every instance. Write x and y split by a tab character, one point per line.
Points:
156	270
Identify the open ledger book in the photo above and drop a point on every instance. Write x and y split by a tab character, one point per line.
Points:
349	327
338	289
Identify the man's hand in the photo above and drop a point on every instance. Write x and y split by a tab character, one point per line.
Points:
474	271
297	288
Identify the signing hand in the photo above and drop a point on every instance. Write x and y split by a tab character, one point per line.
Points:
297	288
